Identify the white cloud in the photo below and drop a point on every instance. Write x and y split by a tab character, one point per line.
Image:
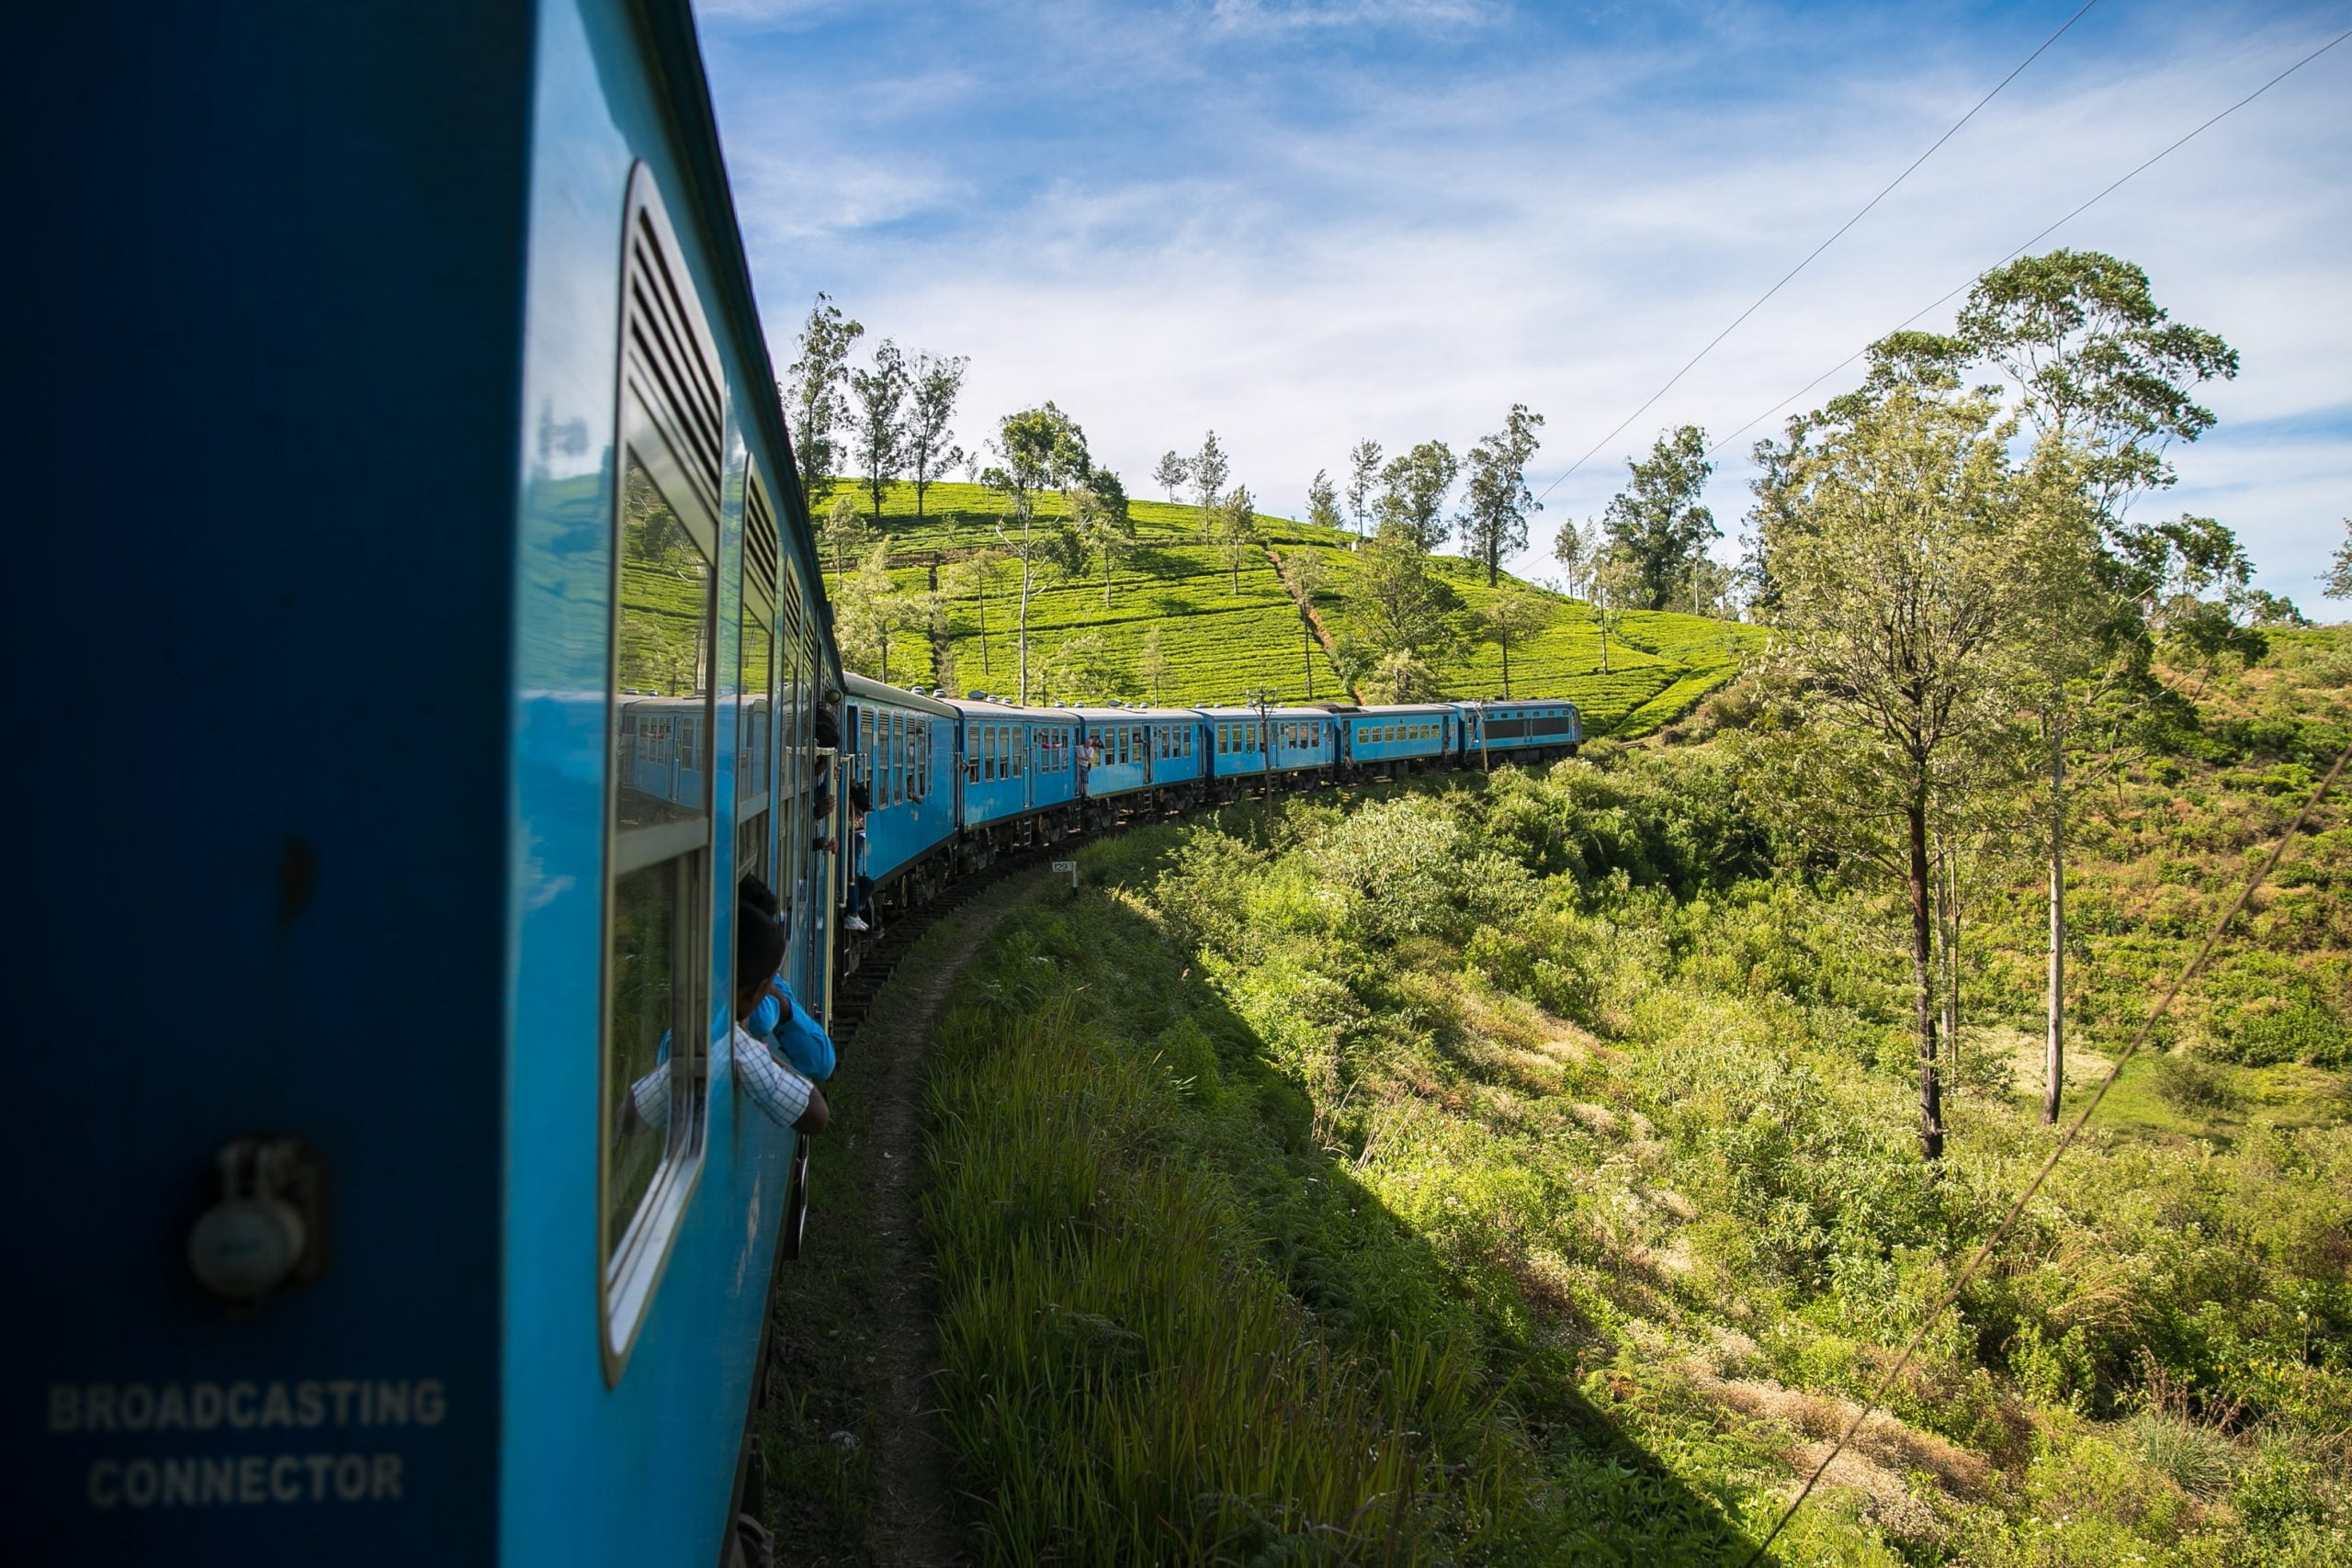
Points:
1409	264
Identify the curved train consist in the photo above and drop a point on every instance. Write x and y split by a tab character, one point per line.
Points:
404	398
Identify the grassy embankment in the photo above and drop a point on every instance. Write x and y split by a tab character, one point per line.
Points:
1524	1170
1221	644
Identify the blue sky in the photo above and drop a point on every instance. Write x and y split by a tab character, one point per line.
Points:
1305	224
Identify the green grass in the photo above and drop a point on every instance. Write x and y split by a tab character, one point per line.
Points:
1222	640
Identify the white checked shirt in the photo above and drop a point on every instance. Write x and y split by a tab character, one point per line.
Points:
781	1094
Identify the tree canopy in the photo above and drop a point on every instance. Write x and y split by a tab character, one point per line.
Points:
1657	522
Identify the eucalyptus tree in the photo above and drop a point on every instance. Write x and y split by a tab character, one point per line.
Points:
845	536
1494	521
1657	522
1904	559
2338	582
816	406
2097	366
872	610
1363	481
1099	509
1237	530
981	573
1151	664
1175	471
933	385
879	423
1209	470
1512	617
1396	602
1413	491
1614	583
1036	449
1577	550
1323	502
1309	573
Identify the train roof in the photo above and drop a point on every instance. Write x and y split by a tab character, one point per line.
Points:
1106	714
1288	711
1484	703
990	708
1384	709
863	689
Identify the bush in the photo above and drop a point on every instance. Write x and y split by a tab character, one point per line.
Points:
2195	1088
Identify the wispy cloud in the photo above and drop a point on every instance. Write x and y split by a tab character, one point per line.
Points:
1304	233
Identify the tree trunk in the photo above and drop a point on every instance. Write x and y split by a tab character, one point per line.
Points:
981	594
1506	666
1306	651
1950	902
1021	639
1601	618
2054	1086
1931	1109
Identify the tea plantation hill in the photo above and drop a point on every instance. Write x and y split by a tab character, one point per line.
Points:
1219	645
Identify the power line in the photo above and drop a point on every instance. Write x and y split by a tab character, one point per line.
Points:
2045	233
2065	1142
1817	250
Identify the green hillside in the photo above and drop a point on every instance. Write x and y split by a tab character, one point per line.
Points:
1219	645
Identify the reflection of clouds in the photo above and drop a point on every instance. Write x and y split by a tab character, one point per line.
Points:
1311	235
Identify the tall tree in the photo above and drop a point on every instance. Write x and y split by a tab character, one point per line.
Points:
1395	602
1237	530
1413	493
1151	664
1572	548
2099	366
933	385
1656	520
1099	511
1308	572
1904	577
872	611
1036	449
845	536
1363	481
981	573
1210	469
1175	471
815	401
1615	581
1494	521
879	421
1323	502
2337	584
1510	618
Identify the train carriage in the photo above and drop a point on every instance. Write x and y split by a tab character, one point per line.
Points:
1504	728
1127	752
1388	740
1020	769
1247	743
903	746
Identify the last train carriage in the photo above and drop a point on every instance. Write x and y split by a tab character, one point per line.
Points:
400	387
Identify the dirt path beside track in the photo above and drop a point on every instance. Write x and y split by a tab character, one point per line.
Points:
855	1412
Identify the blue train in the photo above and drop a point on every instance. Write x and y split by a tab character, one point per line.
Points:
425	462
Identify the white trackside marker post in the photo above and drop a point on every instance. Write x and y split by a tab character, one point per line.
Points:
1071	866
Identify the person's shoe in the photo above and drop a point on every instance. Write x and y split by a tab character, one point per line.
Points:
851	922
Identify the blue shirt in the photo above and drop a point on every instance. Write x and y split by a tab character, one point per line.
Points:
787	1029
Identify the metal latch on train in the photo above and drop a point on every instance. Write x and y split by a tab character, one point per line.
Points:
266	1228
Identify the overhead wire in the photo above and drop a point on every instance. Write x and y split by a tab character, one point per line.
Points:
2066	1140
2028	244
1810	256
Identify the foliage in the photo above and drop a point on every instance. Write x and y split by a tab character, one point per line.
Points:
879	423
1656	521
1363	481
1413	491
1322	502
2337	584
1210	469
934	384
814	406
1493	522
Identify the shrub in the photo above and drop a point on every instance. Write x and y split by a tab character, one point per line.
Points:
2194	1088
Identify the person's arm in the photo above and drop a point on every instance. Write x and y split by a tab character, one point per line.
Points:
784	1097
803	1041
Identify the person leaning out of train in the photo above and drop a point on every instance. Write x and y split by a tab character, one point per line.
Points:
788	1098
861	801
777	1019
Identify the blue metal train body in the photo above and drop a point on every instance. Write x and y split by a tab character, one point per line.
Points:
349	1250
